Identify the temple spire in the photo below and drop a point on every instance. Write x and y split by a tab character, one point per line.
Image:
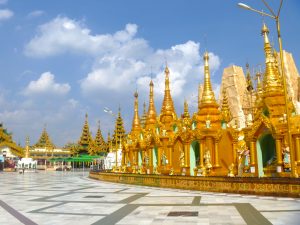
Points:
226	114
208	109
186	113
27	154
208	96
85	137
119	132
272	81
136	126
144	116
99	141
151	116
44	140
167	109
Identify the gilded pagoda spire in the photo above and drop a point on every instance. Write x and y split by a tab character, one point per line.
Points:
208	96
27	153
119	132
85	137
272	81
226	114
186	113
208	109
167	109
144	116
44	140
99	140
136	126
151	116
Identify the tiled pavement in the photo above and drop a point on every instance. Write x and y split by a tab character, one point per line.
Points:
72	198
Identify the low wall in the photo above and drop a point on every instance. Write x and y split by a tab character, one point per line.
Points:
287	187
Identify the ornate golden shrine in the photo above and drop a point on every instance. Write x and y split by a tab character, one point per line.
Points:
205	144
6	141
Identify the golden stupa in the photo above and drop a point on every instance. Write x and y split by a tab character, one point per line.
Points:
206	143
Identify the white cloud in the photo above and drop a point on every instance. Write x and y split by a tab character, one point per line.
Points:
63	35
46	85
5	14
122	61
35	13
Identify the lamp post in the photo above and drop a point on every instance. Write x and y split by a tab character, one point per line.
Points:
276	18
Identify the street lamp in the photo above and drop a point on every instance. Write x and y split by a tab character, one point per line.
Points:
276	18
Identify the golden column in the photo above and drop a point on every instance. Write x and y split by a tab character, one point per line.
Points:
186	154
278	154
150	157
234	147
217	154
298	149
27	153
252	156
201	152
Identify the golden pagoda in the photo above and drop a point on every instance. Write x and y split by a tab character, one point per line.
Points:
225	110
100	144
144	116
44	141
207	143
7	141
267	137
119	132
151	115
85	138
167	114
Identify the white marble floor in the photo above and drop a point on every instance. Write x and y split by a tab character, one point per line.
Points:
73	198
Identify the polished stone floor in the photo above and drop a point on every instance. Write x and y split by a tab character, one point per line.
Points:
72	198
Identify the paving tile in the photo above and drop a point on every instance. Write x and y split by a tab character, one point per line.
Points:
72	198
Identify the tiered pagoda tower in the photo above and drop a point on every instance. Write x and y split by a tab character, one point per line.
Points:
167	114
85	138
119	132
208	112
225	110
144	116
44	141
151	115
100	144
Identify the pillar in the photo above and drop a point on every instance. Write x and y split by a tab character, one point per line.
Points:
217	154
159	153
235	162
278	155
170	159
252	157
201	152
297	149
252	153
150	151
186	154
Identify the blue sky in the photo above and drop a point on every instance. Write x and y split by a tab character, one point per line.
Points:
61	59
